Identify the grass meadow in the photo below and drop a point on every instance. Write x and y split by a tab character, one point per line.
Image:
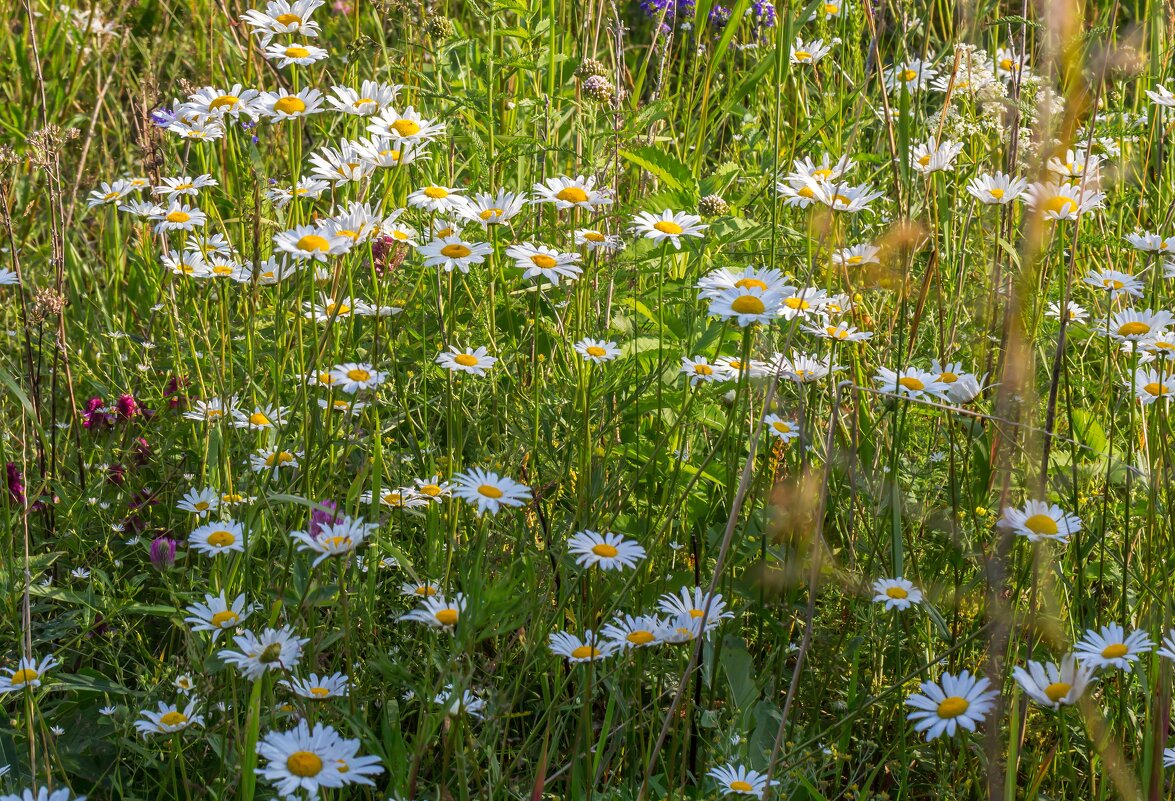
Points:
596	400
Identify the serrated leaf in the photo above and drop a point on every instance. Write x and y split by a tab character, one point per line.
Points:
669	171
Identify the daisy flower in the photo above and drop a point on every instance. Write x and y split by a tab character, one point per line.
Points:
473	361
914	75
210	101
207	130
109	193
1075	312
216	614
212	539
199	502
334	539
809	52
782	429
597	350
692	604
896	593
961	386
487	210
402	498
311	760
567	193
540	261
370	98
746	306
185	186
1008	63
168	719
935	156
261	418
585	648
419	589
841	332
1075	164
317	688
310	242
1062	202
996	188
856	255
460	703
606	551
272	649
594	239
340	165
406	126
488	491
1111	647
739	780
279	106
281	16
910	383
179	217
191	264
699	370
1151	385
670	225
626	631
1150	243
437	199
1039	520
212	410
353	377
27	674
300	54
952	703
715	282
454	252
305	189
1130	325
1055	685
437	611
273	460
806	302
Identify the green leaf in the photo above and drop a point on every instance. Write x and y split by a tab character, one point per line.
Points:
669	171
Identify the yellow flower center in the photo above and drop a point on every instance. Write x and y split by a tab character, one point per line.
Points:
224	619
543	261
739	786
1041	524
178	216
584	652
319	692
1155	388
952	706
290	105
279	458
924	160
749	283
1057	690
406	127
897	593
668	227
1133	328
797	303
595	350
173	718
288	19
490	491
425	591
446	617
221	539
640	637
304	764
703	369
1112	283
313	242
436	192
1115	651
948	378
342	308
232	497
200	506
909	75
803	55
1059	204
465	359
258	419
431	490
747	304
806	191
358	375
997	194
572	194
911	383
224	101
24	676
854	260
594	236
605	550
831	8
781	426
490	213
363	101
695	613
182	187
455	251
337	542
1005	63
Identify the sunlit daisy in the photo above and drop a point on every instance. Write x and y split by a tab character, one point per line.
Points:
310	242
606	551
1111	647
540	261
274	460
699	370
952	703
896	593
27	674
487	210
210	101
489	491
1115	282
279	106
405	126
739	780
185	186
585	647
567	193
168	719
216	614
475	361
996	188
1054	685
809	52
260	418
597	350
910	382
272	649
281	16
199	501
696	604
1062	202
746	306
454	252
354	377
212	539
1040	520
669	226
179	217
318	688
334	539
311	760
627	631
594	239
1152	385
437	611
370	98
1132	325
781	428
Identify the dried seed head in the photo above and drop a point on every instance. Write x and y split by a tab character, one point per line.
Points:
439	27
599	89
712	206
589	67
